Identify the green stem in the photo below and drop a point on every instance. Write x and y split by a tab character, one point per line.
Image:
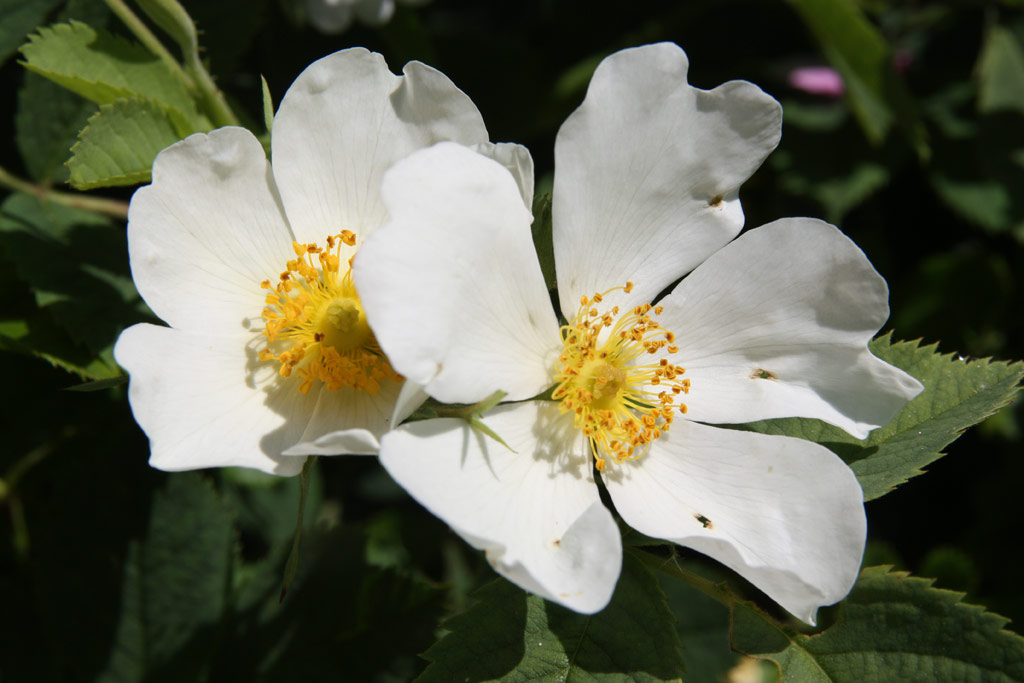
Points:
292	564
475	409
216	103
149	40
109	207
19	527
11	498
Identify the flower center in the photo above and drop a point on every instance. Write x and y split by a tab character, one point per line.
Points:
315	325
618	401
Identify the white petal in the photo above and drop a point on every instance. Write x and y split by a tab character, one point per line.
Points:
355	441
204	401
348	421
647	173
777	324
207	231
517	160
536	512
451	284
344	121
409	399
786	514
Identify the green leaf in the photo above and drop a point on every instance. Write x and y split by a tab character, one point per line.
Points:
976	174
340	616
979	150
102	68
174	586
38	335
18	18
268	105
958	393
510	635
542	240
49	118
1000	72
891	627
861	56
119	144
74	261
703	626
100	384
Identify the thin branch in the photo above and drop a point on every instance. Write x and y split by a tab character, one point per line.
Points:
149	40
109	207
216	103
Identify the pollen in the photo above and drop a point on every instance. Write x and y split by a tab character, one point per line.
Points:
621	397
314	324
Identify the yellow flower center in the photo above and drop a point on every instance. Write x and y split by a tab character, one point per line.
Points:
315	326
619	402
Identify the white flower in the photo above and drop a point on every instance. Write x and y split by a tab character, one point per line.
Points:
772	324
334	16
266	359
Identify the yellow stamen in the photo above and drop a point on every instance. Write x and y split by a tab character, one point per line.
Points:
602	378
315	325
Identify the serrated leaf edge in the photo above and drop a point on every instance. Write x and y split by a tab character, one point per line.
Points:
950	358
182	120
883	571
125	179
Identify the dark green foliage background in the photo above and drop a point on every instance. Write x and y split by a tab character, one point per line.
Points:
112	571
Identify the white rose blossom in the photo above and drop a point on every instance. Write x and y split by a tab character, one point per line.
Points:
268	352
772	324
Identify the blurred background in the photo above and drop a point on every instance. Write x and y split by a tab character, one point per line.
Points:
904	125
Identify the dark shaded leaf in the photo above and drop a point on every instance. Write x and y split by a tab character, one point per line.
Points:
510	635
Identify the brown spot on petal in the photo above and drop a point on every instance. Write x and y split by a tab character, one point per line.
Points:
761	373
704	521
716	201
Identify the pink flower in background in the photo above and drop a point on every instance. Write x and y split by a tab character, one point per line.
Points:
817	80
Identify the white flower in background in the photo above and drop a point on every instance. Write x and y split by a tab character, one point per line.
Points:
268	351
772	324
334	16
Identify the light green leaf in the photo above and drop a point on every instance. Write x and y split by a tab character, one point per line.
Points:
958	393
268	105
892	627
510	635
119	144
174	585
49	118
1000	72
102	68
542	240
18	18
861	56
74	261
